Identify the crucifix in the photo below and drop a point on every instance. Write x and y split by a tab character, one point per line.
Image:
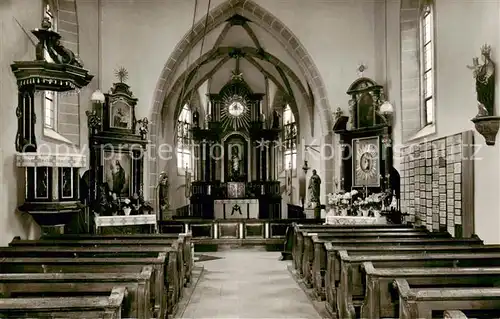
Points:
361	69
236	74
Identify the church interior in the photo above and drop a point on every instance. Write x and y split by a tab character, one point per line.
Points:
162	158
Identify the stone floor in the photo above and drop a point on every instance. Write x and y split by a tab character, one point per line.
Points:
247	283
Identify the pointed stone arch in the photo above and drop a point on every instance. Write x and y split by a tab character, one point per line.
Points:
217	16
275	27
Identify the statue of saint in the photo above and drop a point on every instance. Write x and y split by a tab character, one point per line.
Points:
235	162
163	192
196	118
485	82
276	119
118	174
314	187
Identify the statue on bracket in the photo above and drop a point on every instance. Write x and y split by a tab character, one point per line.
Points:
485	82
486	123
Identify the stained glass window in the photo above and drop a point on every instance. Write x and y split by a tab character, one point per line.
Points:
290	138
427	67
184	152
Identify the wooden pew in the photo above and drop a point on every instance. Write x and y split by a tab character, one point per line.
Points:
308	251
351	287
108	307
102	252
304	244
298	230
187	243
186	258
378	302
323	247
136	304
178	246
97	265
332	273
422	302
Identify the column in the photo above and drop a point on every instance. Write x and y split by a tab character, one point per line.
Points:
206	151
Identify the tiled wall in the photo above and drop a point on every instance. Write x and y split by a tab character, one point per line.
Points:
437	184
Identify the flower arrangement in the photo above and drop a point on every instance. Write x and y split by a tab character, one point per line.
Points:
341	201
370	205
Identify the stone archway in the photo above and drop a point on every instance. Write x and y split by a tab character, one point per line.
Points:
216	17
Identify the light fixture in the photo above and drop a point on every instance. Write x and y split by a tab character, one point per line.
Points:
98	97
386	108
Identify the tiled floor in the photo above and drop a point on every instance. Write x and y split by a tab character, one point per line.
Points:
247	283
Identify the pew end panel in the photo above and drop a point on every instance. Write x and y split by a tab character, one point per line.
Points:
109	307
424	302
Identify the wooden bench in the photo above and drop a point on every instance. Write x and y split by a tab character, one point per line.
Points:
184	257
351	287
333	270
98	265
178	246
136	304
304	243
323	247
421	303
109	307
379	301
187	243
298	230
306	270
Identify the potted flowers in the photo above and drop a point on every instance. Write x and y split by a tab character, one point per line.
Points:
371	206
340	203
127	206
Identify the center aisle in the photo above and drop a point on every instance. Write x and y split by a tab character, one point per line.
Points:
246	283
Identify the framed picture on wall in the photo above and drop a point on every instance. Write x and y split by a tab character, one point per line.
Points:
117	171
366	162
120	115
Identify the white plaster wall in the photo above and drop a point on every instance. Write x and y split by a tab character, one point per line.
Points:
456	43
456	97
14	46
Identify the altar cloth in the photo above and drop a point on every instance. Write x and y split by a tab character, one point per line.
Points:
354	220
236	208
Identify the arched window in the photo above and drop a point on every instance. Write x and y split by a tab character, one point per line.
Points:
184	152
290	138
50	97
427	64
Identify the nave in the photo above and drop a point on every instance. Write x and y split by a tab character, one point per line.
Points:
247	283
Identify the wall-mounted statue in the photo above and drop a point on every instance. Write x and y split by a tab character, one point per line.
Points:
485	82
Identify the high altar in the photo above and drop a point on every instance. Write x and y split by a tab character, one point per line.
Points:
235	171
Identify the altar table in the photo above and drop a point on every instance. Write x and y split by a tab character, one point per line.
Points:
124	220
236	209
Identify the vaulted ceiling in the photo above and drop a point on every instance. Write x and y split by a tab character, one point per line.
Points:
262	59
